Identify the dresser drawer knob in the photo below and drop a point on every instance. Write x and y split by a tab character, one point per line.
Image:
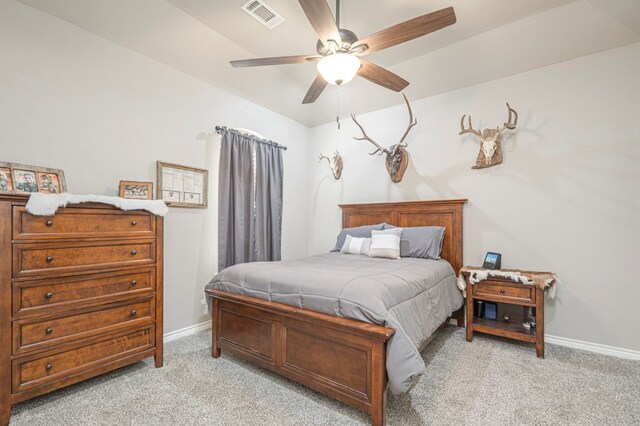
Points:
49	330
134	282
134	313
134	223
502	290
49	367
48	295
49	259
49	223
134	252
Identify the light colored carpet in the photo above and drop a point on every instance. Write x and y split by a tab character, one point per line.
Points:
487	382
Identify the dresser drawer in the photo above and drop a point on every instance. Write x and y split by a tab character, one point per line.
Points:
504	291
33	334
47	258
81	223
29	372
53	295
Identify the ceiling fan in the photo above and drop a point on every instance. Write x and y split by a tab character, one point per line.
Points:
340	50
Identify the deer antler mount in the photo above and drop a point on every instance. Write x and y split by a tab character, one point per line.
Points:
335	163
490	152
397	157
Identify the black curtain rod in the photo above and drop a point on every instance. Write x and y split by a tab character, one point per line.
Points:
222	129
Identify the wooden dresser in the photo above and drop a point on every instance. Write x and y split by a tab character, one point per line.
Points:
80	295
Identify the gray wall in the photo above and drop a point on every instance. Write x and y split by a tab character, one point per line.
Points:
565	199
71	100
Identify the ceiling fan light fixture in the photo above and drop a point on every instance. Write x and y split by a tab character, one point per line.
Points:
339	68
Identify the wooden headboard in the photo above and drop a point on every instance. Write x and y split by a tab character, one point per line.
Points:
447	213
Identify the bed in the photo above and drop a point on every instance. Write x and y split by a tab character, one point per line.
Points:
297	334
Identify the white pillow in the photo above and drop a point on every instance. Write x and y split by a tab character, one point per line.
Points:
353	245
386	243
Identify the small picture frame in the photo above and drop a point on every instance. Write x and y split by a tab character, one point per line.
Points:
24	179
6	180
133	190
492	261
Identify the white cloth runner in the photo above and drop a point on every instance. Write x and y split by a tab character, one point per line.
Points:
47	204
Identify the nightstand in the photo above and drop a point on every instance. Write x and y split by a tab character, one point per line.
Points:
511	298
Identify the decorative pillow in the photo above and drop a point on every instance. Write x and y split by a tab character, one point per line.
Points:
353	245
423	242
385	243
359	232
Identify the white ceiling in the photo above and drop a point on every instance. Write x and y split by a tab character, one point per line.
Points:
492	39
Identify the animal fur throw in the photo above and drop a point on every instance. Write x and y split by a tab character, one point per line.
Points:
542	280
47	204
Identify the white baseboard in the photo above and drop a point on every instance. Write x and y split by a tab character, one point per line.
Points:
187	331
593	347
554	340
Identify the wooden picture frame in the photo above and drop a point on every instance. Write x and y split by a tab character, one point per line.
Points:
25	179
182	186
133	190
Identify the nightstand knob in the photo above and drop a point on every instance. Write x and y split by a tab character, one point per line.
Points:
49	259
134	282
49	223
48	295
134	252
49	367
134	223
502	290
134	313
48	330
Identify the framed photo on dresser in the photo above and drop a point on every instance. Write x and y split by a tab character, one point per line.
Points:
134	190
24	179
182	186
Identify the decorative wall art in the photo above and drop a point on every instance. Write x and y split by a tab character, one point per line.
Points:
397	157
182	186
335	163
135	190
24	179
490	146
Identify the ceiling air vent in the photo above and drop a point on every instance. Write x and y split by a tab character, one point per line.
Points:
263	13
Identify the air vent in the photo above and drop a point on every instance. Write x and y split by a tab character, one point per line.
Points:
263	13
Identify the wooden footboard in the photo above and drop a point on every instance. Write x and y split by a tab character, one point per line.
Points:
342	358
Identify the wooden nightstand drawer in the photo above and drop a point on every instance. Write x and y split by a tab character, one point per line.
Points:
504	291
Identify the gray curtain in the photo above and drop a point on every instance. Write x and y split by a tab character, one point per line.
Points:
250	200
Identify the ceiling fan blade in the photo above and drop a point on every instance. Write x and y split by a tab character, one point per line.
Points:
315	90
278	60
408	30
322	20
378	75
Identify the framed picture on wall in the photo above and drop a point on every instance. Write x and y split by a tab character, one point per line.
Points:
182	186
25	179
135	190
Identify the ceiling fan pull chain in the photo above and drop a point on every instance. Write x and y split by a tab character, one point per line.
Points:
338	107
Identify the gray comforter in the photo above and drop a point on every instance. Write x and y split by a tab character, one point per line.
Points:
412	296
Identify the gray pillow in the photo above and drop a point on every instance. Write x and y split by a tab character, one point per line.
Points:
359	232
423	242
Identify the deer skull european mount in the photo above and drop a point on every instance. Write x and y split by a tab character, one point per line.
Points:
335	163
490	147
397	157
